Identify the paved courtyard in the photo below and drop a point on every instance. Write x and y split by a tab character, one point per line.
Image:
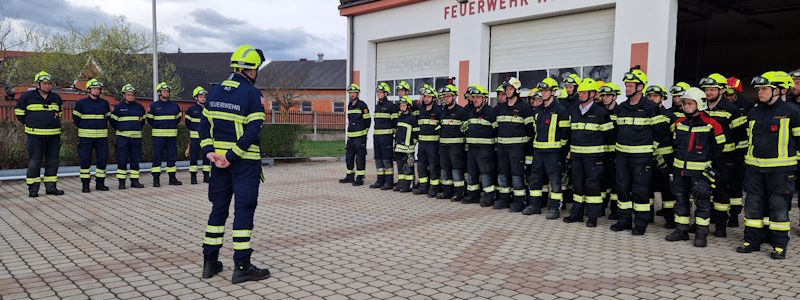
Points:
322	239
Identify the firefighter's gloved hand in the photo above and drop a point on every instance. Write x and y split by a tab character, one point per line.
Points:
661	163
464	126
701	190
710	175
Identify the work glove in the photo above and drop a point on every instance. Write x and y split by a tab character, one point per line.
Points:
661	163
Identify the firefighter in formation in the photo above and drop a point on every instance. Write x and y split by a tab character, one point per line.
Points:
580	145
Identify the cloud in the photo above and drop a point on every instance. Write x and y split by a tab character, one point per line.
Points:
54	13
277	43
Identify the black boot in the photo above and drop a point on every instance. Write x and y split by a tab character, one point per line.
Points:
503	201
433	190
248	272
173	180
733	221
136	184
669	218
206	177
553	214
471	197
388	182
677	235
701	237
638	230
404	186
51	189
592	222
33	190
100	185
487	199
576	213
156	180
720	230
347	179
211	268
447	192
85	183
459	193
33	194
379	183
193	177
613	210
748	248
534	208
778	253
359	180
619	226
517	204
122	184
422	188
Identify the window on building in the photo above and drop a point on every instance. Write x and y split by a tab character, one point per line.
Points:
560	73
441	82
305	106
338	107
600	73
530	79
496	79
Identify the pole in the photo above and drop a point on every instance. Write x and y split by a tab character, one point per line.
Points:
155	54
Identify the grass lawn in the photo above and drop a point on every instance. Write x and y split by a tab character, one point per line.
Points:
323	148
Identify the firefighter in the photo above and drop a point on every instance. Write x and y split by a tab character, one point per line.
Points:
514	127
164	116
39	111
638	130
451	146
385	118
608	96
501	93
794	93
430	115
232	144
699	141
406	136
91	118
676	91
773	129
193	116
733	123
733	94
480	133
128	120
551	129
664	155
358	122
591	132
570	84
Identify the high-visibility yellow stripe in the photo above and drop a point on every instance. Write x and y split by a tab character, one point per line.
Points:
736	201
780	226
770	162
50	178
452	122
754	223
429	138
162	118
458	140
738	121
634	121
42	107
126	118
380	115
33	180
702	221
428	122
383	131
510	119
157	132
193	134
92	133
593	199
357	133
476	121
721	207
587	149
663	150
719	114
634	149
535	193
512	140
481	141
242	233
88	116
212	241
641	207
215	229
42	131
682	220
690	165
256	116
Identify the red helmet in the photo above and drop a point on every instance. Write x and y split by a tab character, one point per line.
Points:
735	84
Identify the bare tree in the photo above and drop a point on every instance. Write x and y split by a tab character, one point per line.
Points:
285	88
11	37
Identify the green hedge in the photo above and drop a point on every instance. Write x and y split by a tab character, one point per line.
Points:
276	141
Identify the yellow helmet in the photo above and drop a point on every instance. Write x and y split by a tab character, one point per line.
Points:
199	91
561	94
587	85
163	86
403	85
547	84
572	78
93	83
679	88
384	87
42	77
696	95
715	80
406	99
656	89
127	88
533	92
500	88
429	91
353	88
610	89
449	89
786	81
477	90
636	76
247	57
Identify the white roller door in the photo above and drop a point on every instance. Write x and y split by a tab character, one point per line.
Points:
420	57
575	40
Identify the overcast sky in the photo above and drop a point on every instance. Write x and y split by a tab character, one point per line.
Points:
284	29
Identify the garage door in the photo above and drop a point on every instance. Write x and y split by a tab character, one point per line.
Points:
417	61
580	43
